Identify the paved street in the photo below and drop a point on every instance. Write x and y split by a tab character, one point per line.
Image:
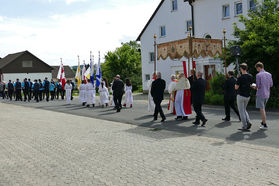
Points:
139	116
41	147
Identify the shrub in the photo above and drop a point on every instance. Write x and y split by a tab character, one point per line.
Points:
217	84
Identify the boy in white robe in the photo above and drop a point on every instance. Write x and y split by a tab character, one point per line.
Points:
171	87
104	95
82	93
90	93
68	89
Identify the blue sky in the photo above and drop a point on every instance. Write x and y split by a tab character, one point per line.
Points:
54	29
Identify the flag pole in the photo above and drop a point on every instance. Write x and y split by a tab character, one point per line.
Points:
61	70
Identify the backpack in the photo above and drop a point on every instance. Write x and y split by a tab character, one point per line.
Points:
1	87
46	85
36	86
18	85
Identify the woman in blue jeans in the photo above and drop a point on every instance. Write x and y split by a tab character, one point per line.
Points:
243	87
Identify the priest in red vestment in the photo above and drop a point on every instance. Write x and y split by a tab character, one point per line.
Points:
183	98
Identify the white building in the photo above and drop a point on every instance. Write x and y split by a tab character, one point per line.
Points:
171	21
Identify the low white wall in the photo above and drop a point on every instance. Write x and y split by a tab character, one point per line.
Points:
21	76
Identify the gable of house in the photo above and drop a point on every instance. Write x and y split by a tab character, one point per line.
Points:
23	62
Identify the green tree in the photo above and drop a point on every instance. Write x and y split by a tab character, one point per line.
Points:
259	40
125	61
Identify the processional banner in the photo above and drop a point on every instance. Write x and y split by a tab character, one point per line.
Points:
182	48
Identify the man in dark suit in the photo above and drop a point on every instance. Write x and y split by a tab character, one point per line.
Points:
157	92
118	90
230	96
198	94
192	79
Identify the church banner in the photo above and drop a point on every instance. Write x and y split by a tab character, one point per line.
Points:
182	48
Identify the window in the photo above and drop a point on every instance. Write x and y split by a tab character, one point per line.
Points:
188	24
226	11
174	5
207	36
238	8
252	5
151	57
147	77
163	31
27	64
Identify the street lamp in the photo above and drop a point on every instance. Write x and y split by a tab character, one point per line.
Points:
155	56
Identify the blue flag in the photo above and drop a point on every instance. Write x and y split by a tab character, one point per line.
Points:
98	73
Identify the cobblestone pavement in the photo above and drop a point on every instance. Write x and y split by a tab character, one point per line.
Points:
51	148
139	116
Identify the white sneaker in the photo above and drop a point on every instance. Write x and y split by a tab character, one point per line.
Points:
263	127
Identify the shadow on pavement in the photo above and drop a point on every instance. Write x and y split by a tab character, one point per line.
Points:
158	130
223	124
239	136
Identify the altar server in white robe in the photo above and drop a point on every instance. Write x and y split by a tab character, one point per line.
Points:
82	93
151	104
90	94
68	89
128	94
104	95
111	102
171	87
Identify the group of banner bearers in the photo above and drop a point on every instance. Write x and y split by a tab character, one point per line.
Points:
37	90
49	90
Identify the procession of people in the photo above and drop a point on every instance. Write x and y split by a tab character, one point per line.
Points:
185	93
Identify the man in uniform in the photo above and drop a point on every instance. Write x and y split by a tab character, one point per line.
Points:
46	88
36	89
25	87
30	89
17	86
10	89
40	90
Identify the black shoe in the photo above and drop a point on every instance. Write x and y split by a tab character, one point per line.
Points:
178	118
118	110
244	129
164	119
88	106
226	119
83	104
249	125
204	122
196	123
93	105
154	119
185	118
